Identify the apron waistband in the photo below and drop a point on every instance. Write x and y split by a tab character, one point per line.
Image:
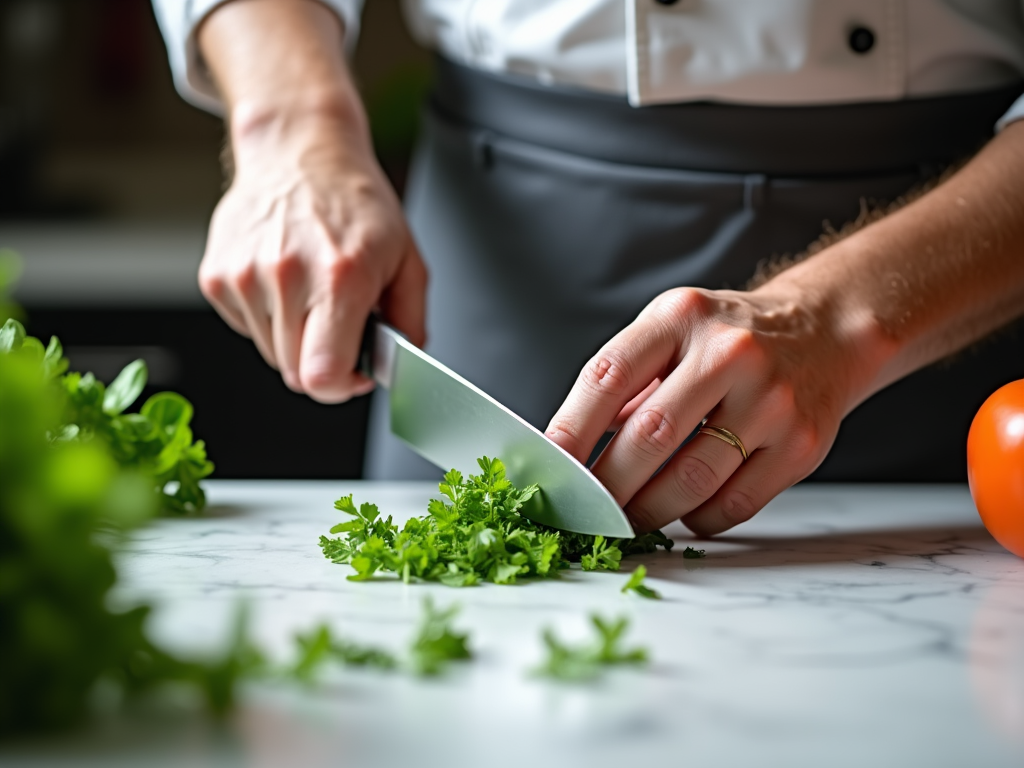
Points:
806	141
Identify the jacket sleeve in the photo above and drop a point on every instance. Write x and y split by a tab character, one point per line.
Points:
179	19
1016	110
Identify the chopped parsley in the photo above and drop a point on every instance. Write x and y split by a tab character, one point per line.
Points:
693	554
474	533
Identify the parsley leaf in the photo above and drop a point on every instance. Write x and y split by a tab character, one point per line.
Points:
473	533
603	556
318	647
76	473
587	662
157	441
433	647
693	554
635	584
436	644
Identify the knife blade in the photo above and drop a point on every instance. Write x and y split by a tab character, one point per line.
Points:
450	422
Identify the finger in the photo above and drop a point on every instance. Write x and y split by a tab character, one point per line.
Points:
767	474
629	408
404	302
621	370
215	290
700	468
288	317
658	427
330	344
247	294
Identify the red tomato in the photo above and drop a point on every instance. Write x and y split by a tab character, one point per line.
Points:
995	465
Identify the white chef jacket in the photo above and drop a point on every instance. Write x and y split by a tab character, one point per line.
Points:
782	52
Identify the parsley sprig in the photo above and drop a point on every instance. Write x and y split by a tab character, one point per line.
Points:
434	646
474	533
588	661
636	584
157	441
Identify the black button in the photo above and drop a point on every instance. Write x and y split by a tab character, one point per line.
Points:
862	40
666	2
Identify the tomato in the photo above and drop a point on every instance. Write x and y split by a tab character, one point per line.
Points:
995	465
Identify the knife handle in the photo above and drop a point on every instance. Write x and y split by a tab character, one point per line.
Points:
377	350
365	362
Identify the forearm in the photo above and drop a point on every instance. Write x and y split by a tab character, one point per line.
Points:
931	278
280	69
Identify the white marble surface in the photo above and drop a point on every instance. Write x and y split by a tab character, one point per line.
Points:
844	626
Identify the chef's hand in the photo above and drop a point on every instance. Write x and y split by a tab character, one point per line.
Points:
310	236
780	366
308	239
741	359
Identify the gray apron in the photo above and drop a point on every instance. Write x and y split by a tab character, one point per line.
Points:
550	217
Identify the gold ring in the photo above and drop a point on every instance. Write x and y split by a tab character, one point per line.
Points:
725	435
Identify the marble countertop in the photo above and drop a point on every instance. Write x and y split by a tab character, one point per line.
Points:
843	626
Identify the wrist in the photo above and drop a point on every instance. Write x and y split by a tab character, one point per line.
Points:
829	293
291	127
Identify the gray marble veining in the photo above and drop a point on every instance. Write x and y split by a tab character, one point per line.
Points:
843	626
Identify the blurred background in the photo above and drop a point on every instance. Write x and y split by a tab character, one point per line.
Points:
107	182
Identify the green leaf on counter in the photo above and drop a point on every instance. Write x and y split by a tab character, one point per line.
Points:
693	554
433	647
603	556
436	644
319	647
587	662
635	583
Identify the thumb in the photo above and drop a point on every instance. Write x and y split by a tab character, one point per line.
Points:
403	303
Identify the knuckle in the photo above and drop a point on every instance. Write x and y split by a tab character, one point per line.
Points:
607	374
365	243
739	342
212	286
738	506
564	434
680	303
656	431
288	268
805	443
244	280
780	400
343	273
694	479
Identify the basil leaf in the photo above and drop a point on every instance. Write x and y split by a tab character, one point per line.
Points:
125	389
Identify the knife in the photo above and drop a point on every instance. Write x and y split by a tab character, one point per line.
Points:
450	422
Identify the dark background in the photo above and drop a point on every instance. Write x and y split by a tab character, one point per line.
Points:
96	144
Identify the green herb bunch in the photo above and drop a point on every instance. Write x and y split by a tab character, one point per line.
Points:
474	533
63	505
157	441
65	501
